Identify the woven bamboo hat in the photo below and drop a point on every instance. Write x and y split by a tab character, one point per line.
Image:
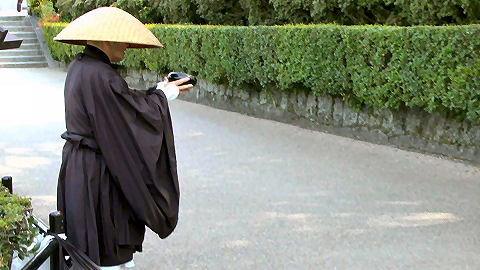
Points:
108	24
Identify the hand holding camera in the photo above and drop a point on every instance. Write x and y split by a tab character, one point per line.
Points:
175	83
174	76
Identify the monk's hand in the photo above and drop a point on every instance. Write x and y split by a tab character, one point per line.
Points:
174	88
177	83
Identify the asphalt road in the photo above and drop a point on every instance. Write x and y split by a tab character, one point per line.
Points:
258	194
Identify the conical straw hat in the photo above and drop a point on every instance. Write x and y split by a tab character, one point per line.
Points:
108	24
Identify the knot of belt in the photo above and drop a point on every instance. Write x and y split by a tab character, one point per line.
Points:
81	140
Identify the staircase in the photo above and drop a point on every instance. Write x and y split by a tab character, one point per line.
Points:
29	54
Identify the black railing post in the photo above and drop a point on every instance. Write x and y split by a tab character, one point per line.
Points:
7	182
55	220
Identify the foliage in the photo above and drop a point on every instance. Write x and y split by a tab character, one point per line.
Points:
439	12
178	11
45	10
65	9
387	12
258	12
16	227
79	7
36	6
228	12
144	10
47	13
434	68
277	12
59	51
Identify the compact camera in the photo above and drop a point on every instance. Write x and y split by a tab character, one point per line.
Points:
173	76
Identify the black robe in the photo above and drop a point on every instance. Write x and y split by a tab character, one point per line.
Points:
118	170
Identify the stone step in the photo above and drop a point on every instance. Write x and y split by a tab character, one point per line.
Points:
25	35
29	54
30	40
16	29
32	46
7	24
12	18
20	52
24	65
21	59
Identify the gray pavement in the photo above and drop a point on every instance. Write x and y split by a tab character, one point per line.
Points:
258	194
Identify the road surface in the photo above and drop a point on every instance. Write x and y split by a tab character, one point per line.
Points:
258	194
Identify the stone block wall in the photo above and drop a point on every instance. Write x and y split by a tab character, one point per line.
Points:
407	129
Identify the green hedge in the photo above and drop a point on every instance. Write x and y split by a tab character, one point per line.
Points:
434	68
271	12
16	227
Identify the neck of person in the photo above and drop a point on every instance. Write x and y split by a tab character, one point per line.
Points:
101	45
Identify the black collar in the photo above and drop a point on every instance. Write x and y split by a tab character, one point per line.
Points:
97	54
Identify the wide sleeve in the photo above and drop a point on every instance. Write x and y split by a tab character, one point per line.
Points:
133	130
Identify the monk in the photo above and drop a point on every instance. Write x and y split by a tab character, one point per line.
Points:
119	171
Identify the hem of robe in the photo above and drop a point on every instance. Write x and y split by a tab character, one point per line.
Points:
124	255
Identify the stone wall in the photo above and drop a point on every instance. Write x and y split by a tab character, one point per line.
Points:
407	129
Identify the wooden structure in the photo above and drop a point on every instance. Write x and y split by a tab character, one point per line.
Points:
8	41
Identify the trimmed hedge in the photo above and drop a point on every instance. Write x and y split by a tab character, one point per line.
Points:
433	68
271	12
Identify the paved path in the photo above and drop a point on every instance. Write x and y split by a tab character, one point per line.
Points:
258	194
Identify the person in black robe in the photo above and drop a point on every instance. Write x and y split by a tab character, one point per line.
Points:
118	171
